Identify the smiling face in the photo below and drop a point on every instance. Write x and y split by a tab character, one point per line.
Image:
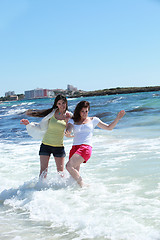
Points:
62	105
84	113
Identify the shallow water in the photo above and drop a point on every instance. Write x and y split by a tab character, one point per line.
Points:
122	200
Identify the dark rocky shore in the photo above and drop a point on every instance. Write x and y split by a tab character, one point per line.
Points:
118	90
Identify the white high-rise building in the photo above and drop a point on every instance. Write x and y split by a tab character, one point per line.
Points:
39	93
9	93
71	88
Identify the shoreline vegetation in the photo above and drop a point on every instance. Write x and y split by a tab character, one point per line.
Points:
103	92
118	90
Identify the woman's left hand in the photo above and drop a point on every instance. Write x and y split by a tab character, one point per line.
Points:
67	117
68	134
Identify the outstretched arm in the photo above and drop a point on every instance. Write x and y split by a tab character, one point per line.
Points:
24	121
113	124
34	129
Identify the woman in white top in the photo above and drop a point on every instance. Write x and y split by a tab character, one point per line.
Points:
83	127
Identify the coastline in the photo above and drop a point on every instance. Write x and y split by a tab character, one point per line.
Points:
118	90
102	92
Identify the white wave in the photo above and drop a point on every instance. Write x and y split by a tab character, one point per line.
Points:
121	202
15	105
71	99
94	212
117	99
14	112
27	103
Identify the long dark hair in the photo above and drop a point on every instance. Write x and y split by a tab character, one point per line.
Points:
83	104
45	112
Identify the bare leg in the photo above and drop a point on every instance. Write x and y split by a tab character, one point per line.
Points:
73	166
44	165
60	164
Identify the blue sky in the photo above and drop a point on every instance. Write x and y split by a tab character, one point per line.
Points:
91	44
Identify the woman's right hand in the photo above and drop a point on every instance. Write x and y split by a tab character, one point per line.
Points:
24	121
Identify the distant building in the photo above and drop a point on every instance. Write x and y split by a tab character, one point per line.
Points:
13	98
49	93
39	93
9	93
58	90
71	88
29	94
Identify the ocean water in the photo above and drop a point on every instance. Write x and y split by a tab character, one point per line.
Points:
122	201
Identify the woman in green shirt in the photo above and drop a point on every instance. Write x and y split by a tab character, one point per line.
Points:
51	130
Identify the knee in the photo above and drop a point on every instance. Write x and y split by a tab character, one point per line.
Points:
68	165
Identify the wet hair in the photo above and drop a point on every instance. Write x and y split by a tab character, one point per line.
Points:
45	112
76	115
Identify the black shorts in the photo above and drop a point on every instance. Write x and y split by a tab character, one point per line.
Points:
56	151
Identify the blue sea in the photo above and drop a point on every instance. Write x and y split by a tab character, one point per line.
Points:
122	201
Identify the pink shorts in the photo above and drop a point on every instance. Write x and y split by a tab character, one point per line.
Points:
83	150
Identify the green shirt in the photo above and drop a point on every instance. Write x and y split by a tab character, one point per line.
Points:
55	133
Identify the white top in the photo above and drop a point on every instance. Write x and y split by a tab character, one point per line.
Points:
83	133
